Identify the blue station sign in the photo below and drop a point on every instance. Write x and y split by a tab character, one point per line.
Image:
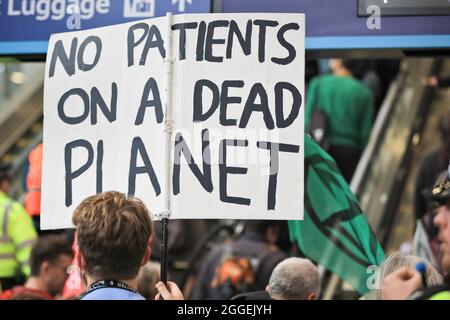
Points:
26	25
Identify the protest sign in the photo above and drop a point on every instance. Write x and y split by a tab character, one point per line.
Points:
198	114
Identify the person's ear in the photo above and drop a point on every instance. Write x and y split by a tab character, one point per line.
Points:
151	240
268	288
148	252
44	269
80	260
146	258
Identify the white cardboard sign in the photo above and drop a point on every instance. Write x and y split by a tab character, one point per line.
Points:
206	115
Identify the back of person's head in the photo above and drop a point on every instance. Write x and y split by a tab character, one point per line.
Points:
113	234
353	65
149	276
396	260
50	257
269	229
294	279
350	65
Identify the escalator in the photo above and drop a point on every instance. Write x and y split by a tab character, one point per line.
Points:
404	131
422	144
385	178
384	166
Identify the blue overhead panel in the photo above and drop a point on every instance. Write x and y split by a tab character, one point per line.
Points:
335	24
26	25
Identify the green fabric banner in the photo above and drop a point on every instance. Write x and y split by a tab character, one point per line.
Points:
334	233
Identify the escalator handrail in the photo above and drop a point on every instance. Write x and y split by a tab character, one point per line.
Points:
376	136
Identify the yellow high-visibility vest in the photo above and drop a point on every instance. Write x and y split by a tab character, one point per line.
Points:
444	295
17	235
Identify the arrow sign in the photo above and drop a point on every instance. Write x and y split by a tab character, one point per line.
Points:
181	4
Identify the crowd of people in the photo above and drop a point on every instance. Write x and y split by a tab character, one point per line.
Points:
113	253
115	236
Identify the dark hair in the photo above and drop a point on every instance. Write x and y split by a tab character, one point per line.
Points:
352	65
48	248
113	232
5	171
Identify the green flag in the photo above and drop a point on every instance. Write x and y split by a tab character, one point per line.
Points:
334	233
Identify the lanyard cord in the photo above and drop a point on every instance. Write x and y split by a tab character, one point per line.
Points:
101	284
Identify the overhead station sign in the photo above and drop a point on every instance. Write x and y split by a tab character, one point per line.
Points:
26	25
363	24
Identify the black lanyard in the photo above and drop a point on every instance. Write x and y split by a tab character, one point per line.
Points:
101	284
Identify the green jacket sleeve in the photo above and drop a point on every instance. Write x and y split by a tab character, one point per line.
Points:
366	119
310	100
22	233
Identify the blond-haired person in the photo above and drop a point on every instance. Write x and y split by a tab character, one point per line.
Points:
396	261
